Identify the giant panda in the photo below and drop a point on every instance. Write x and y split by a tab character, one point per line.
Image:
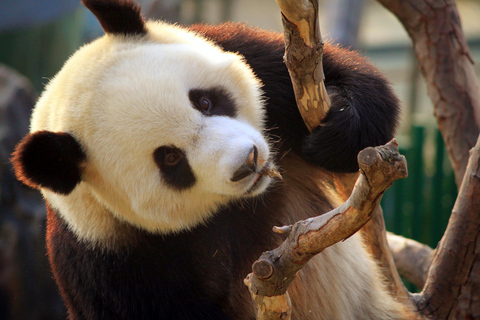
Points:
149	147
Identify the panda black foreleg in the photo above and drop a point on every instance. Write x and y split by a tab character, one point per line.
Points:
364	113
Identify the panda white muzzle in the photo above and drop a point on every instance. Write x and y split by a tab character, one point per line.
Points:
248	167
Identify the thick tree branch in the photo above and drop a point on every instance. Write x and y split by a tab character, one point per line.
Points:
276	269
413	259
374	233
452	264
303	57
269	308
447	66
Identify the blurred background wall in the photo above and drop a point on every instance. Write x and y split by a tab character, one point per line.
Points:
37	36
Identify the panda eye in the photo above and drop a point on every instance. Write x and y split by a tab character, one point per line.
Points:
173	157
205	104
174	167
215	101
167	157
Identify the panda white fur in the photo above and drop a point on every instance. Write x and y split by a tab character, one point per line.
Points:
147	147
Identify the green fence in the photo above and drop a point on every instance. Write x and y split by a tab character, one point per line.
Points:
419	206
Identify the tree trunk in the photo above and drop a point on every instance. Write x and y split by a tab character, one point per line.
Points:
447	66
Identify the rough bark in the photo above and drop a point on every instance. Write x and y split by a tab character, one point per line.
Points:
447	66
374	233
303	57
451	289
454	258
276	269
269	308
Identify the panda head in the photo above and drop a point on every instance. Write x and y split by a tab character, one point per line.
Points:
151	124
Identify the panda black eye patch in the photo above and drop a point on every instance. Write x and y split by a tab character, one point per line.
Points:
213	102
174	167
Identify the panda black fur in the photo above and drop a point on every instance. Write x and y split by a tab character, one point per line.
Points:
127	154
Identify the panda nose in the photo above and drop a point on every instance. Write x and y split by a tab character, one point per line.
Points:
248	167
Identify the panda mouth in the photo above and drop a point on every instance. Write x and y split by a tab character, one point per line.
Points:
256	182
258	176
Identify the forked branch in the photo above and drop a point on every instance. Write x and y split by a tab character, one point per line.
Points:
451	289
276	269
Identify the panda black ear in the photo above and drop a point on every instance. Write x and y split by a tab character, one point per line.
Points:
118	16
51	160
